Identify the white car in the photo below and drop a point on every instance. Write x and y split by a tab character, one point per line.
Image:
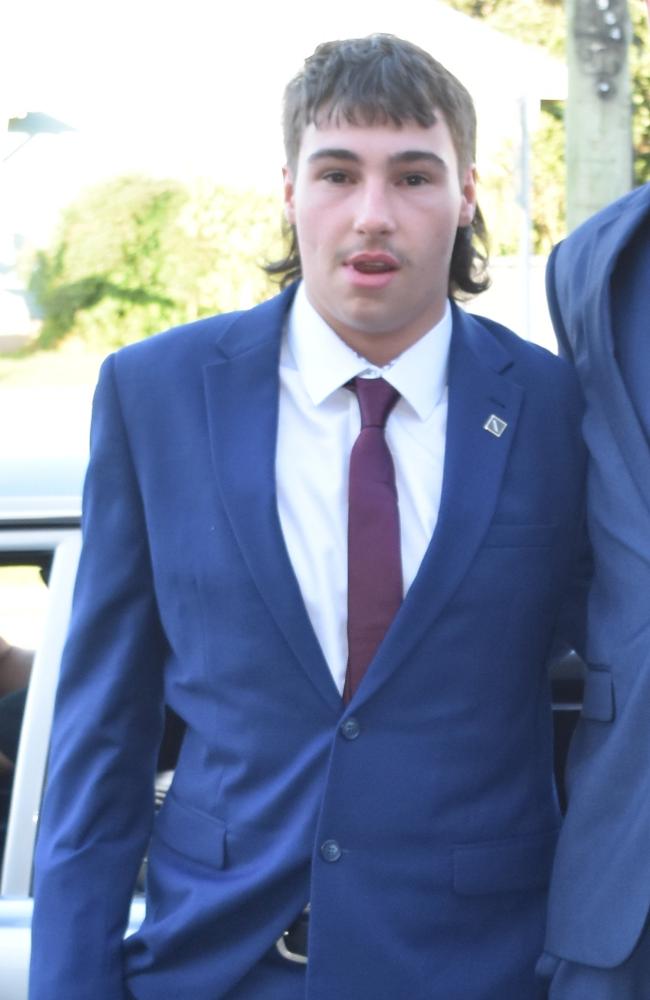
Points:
39	541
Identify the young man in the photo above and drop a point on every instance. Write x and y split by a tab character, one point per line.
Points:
363	807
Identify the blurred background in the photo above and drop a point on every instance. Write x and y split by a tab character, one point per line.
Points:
141	164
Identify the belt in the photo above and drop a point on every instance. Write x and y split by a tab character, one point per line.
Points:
292	945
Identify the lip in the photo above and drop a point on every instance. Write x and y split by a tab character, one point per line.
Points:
373	257
371	279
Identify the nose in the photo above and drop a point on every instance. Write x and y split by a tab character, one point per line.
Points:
374	215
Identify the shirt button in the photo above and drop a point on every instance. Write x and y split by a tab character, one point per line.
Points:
351	728
330	850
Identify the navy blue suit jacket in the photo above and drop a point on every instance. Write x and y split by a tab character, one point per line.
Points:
598	286
443	807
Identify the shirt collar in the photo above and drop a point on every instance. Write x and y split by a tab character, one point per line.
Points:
325	362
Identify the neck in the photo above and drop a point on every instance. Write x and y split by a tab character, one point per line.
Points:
380	349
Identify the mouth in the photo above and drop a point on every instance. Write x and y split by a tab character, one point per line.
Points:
373	263
370	273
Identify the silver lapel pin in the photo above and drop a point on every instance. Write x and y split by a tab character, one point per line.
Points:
495	425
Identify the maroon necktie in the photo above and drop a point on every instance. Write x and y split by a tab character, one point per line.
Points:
374	557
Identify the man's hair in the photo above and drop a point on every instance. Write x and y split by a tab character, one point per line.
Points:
382	79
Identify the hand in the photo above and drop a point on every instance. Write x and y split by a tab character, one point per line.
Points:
15	667
6	766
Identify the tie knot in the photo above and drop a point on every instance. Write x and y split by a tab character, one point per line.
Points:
376	399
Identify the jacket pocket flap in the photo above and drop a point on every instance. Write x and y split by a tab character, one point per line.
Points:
504	865
598	697
191	832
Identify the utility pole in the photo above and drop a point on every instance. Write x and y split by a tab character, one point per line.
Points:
599	106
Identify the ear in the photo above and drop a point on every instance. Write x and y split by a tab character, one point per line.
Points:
289	205
468	197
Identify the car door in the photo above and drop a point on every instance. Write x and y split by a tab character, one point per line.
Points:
38	563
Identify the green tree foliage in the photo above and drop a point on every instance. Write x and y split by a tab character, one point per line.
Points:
543	23
134	255
535	22
499	187
640	65
547	168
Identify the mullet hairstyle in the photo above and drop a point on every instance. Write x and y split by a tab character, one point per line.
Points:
381	80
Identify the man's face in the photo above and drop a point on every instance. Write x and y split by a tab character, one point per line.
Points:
376	209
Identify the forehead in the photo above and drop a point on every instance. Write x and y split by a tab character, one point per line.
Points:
377	140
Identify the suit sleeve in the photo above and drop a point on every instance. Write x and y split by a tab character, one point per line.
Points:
571	632
95	822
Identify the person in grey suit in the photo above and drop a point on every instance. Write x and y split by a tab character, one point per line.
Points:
598	938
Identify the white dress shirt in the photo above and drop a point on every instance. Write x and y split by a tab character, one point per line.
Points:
318	424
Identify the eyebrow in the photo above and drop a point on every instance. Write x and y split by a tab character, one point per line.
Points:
406	156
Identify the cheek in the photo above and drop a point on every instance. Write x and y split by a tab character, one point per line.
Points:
448	223
439	235
314	226
309	245
305	233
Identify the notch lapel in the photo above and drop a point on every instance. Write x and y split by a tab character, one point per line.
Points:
598	343
241	393
475	461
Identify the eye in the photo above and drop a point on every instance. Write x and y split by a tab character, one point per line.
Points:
415	180
336	177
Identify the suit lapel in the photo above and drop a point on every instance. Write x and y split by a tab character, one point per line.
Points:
242	405
475	461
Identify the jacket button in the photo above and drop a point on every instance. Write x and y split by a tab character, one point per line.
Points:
330	850
350	729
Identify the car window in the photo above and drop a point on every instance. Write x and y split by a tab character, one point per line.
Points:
23	601
35	598
37	572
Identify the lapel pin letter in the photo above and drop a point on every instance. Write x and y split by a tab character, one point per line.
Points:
495	425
